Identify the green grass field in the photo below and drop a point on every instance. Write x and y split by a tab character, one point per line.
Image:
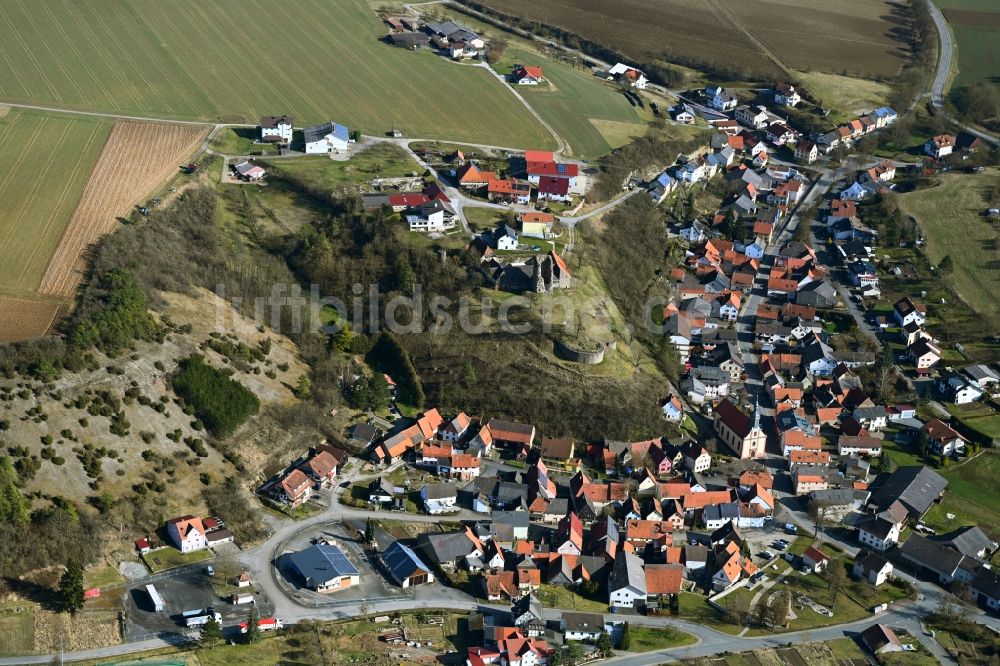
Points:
593	118
648	639
47	160
162	559
970	496
976	27
17	631
950	217
217	61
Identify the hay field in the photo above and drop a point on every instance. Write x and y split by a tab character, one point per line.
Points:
836	37
47	159
950	216
233	62
137	158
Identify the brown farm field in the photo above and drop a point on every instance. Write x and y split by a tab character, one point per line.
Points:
21	318
853	37
137	158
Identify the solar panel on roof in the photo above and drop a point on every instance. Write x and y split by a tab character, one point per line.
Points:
339	561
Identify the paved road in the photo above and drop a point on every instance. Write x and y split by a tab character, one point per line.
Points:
945	55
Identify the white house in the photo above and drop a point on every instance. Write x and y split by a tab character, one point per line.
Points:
906	311
683	114
940	146
187	533
878	532
276	129
672	408
430	216
505	237
622	72
756	117
720	99
627	581
661	187
329	137
786	95
694	232
872	567
582	626
439	498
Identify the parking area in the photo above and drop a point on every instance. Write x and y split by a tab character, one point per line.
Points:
184	590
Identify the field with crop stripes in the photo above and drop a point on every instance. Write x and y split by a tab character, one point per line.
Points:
137	158
46	161
313	59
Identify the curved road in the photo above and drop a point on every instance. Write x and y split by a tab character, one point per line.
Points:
945	55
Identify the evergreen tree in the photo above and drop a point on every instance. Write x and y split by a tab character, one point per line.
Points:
604	646
574	653
253	625
946	265
469	373
13	506
211	633
71	587
626	642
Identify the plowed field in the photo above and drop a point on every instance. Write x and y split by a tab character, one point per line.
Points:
137	158
21	318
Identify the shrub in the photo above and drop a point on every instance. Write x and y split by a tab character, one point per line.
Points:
219	402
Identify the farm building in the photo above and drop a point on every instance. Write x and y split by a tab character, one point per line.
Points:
247	171
326	138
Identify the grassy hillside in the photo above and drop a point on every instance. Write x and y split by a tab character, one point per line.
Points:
593	118
950	216
311	59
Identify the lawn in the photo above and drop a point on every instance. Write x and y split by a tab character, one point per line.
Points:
382	160
169	558
694	608
47	160
17	631
970	496
556	596
592	117
240	141
849	96
649	639
208	61
950	217
105	576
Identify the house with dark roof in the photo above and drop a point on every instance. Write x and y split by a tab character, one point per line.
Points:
873	567
627	582
985	588
405	567
881	639
937	558
915	487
